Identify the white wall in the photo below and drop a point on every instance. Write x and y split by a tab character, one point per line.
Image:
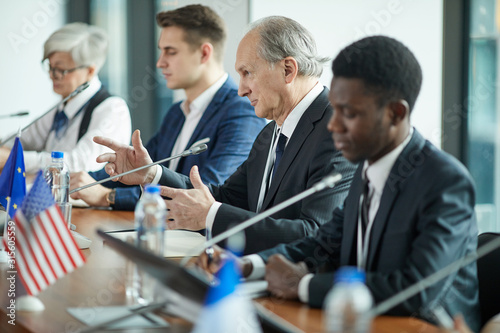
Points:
337	23
235	15
24	27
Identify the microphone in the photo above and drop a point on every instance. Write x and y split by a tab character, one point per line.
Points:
328	181
434	277
17	114
75	92
194	150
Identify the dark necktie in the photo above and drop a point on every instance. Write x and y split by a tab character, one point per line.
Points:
280	148
60	123
365	205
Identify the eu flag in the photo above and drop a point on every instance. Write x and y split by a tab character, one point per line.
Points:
13	180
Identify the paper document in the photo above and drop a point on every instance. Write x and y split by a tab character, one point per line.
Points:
96	315
178	243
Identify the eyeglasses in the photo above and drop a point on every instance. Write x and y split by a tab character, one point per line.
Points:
58	73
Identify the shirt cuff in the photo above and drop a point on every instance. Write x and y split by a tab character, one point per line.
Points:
259	267
34	161
158	174
304	288
209	222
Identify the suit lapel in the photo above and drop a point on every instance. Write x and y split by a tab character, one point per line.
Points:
305	126
219	97
257	165
392	187
351	205
171	132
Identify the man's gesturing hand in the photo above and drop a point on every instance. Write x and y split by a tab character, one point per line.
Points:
126	158
188	209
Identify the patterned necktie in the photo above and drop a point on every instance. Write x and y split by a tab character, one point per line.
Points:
60	124
365	204
280	148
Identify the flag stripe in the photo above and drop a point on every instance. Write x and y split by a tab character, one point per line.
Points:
69	241
26	281
44	260
25	267
50	222
47	251
22	251
28	245
52	245
5	245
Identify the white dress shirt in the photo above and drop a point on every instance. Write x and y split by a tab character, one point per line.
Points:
111	118
377	174
287	128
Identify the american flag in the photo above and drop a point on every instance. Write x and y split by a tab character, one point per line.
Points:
45	250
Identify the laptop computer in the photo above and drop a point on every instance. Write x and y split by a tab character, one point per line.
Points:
186	283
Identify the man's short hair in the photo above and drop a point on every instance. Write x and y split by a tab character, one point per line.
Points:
282	37
200	23
386	66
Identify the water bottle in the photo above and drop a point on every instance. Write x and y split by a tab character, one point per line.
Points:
57	176
150	219
348	304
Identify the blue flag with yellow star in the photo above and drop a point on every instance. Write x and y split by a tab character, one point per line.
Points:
13	180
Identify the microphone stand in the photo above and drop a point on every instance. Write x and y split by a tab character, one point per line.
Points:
434	277
327	182
200	148
78	90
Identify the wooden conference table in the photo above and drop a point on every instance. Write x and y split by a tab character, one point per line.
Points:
100	282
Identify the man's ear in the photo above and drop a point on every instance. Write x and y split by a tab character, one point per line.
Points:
291	69
400	110
207	50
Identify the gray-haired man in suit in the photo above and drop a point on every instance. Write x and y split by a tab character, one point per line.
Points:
279	70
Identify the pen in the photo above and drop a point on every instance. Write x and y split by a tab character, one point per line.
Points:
122	230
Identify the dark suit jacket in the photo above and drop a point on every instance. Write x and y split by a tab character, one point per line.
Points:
230	123
308	157
425	221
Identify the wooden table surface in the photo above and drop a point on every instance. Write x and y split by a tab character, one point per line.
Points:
100	282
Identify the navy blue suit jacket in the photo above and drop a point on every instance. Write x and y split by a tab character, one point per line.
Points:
230	123
425	221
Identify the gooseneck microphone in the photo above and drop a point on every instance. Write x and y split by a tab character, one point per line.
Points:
194	150
434	277
328	181
17	114
75	92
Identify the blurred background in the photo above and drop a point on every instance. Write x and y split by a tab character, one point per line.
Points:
455	42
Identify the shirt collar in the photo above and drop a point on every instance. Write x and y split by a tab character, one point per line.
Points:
378	172
76	103
293	118
200	103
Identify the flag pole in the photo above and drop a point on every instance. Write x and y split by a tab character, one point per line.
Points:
3	252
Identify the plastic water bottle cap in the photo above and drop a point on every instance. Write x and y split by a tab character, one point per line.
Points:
154	189
57	154
349	274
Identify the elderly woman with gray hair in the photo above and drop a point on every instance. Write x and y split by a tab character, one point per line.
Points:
74	55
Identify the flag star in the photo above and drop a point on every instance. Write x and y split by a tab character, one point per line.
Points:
15	206
7	198
24	174
19	169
